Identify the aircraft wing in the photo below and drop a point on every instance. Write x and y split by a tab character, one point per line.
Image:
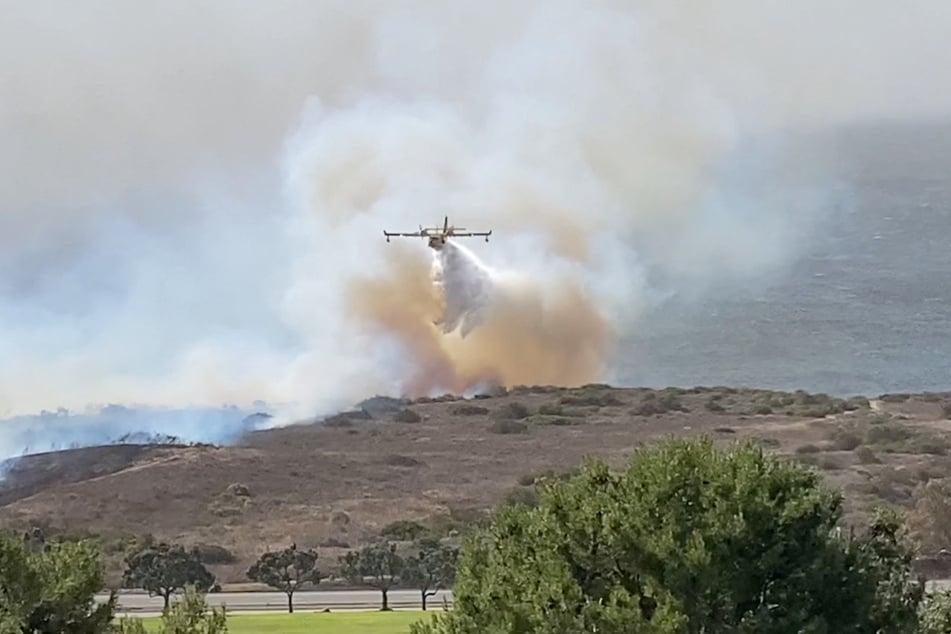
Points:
467	234
394	234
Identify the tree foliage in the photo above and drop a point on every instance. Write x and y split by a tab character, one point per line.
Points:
377	565
930	520
286	570
161	569
188	615
191	615
689	538
936	613
51	588
432	568
406	530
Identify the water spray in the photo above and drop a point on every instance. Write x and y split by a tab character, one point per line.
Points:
465	284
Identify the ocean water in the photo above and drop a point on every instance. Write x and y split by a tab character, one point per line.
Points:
865	309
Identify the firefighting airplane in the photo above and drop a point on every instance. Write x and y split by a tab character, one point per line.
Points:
438	235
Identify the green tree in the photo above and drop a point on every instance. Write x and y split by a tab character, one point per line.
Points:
130	625
892	589
191	615
404	530
161	569
935	613
688	539
286	570
188	615
51	589
20	585
377	565
432	569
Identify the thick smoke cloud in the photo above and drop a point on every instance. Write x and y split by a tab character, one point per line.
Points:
477	327
194	193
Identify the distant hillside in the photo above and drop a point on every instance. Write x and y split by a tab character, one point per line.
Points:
443	462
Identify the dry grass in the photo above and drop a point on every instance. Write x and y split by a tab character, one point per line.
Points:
336	484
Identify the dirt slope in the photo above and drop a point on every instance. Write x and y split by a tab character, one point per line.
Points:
336	483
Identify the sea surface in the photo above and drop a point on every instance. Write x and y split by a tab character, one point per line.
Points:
865	309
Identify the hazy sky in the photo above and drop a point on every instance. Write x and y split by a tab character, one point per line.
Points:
183	181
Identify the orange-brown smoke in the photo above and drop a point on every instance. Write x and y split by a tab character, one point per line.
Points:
531	336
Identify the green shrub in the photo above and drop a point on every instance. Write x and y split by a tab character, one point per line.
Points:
49	587
647	408
592	400
524	496
212	554
404	530
511	411
846	439
407	415
936	613
684	540
929	444
192	615
655	403
551	409
547	476
130	625
887	433
669	401
854	403
526	480
894	398
865	455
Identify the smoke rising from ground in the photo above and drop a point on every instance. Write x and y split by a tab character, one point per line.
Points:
476	327
193	195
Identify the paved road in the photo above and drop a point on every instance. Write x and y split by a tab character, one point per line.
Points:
310	601
304	601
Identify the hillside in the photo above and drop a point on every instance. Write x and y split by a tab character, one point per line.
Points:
441	462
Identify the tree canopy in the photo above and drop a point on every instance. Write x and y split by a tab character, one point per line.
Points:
189	615
51	589
161	569
377	565
286	570
689	538
433	568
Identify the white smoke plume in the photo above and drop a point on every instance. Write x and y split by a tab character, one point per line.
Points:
193	194
471	326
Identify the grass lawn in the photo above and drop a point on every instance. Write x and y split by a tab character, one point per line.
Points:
317	623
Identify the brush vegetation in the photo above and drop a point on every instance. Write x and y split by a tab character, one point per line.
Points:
444	463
